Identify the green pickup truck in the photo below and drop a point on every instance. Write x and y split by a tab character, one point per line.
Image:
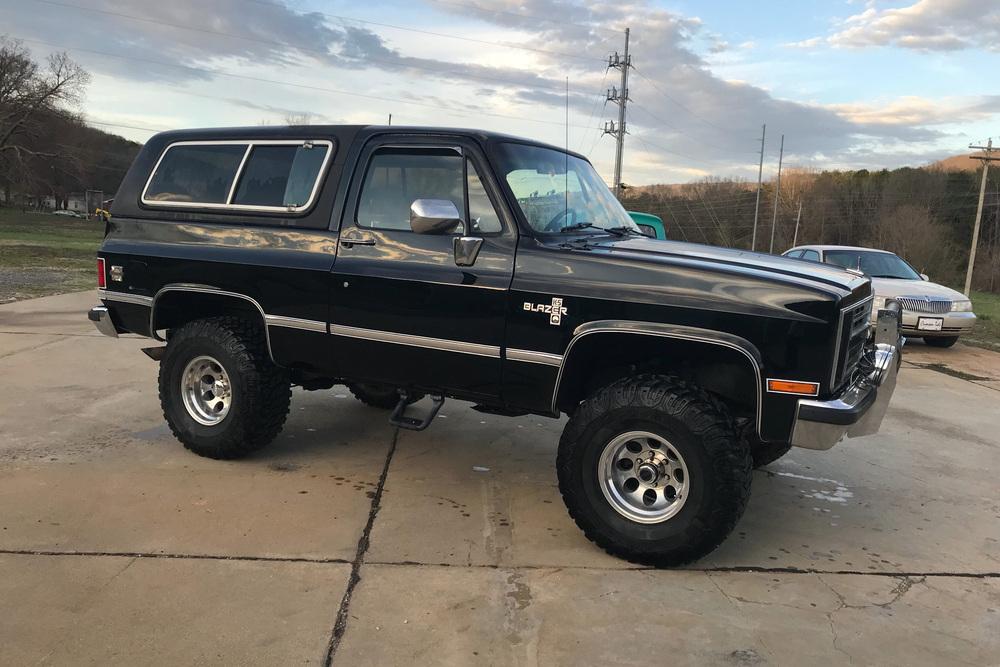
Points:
650	225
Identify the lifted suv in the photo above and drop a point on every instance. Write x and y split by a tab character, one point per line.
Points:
406	262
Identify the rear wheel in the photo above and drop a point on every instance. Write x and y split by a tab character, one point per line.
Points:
379	395
221	394
654	470
941	341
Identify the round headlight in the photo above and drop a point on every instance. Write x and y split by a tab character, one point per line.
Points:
961	306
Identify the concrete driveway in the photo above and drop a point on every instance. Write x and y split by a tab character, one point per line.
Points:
349	542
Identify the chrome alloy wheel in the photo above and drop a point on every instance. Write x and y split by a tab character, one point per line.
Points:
206	390
643	477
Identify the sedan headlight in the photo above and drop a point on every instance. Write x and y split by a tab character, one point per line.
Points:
964	306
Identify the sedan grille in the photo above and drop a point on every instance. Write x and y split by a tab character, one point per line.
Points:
919	304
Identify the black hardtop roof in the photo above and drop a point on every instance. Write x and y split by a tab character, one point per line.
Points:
344	133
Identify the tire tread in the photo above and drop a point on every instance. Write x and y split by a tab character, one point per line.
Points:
708	418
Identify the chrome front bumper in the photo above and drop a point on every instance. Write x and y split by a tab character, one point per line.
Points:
859	410
101	318
953	324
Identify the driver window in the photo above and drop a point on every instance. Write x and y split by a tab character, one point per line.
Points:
398	176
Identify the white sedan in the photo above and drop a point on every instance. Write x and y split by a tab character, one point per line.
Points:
936	313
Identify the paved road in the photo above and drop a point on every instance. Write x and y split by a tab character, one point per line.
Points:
346	540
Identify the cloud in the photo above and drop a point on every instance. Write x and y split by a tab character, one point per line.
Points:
926	25
919	111
684	120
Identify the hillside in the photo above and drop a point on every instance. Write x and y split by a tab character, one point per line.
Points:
956	163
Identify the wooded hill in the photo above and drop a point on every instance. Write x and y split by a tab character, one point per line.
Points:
924	214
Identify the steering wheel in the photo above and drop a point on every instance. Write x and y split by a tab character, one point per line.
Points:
553	226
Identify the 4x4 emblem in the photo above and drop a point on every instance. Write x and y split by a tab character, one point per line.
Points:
555	309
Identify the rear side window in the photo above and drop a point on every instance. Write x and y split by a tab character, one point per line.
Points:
280	176
195	174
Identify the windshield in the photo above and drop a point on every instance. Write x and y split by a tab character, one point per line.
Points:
558	192
873	264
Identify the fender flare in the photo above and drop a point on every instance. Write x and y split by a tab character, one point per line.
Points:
674	331
207	289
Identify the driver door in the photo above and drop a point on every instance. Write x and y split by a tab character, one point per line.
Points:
425	309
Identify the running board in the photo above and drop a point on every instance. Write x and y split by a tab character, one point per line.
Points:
402	420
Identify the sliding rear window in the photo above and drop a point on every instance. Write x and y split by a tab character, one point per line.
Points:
266	176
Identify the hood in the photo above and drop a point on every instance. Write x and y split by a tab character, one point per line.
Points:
798	270
892	287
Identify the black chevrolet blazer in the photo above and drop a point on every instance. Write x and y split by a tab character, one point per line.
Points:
412	262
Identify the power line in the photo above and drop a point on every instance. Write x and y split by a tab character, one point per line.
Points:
600	96
694	115
334	91
367	58
421	31
500	12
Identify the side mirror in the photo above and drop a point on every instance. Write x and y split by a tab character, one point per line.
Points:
923	276
434	216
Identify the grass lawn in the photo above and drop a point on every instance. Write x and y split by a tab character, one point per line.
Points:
43	254
987	331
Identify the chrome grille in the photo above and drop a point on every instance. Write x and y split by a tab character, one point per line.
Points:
919	304
854	335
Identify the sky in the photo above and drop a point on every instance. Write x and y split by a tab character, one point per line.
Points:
850	84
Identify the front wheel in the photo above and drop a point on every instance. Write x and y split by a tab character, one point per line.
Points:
941	341
654	470
221	394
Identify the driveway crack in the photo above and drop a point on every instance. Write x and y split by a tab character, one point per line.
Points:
340	625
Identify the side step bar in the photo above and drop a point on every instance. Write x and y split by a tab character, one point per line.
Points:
402	420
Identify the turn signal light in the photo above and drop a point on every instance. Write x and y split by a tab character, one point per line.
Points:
100	273
793	387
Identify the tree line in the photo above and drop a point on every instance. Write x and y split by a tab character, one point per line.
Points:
46	149
925	215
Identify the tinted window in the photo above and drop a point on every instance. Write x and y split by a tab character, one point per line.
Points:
810	254
396	177
196	174
481	212
279	175
794	254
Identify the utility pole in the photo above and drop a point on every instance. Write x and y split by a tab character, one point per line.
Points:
619	97
798	217
986	159
390	119
777	193
760	174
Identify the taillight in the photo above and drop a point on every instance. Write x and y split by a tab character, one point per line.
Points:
100	273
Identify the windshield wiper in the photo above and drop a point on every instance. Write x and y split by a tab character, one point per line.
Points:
614	231
624	231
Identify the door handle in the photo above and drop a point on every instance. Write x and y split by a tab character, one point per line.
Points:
351	239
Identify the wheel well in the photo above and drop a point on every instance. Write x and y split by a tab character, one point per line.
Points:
175	308
597	359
